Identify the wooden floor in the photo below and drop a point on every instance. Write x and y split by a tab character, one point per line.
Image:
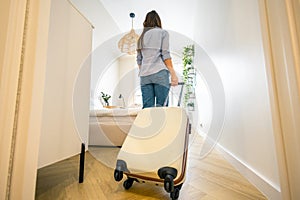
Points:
209	178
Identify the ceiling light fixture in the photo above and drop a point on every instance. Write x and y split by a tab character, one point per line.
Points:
128	42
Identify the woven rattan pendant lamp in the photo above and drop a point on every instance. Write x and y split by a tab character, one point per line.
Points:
128	42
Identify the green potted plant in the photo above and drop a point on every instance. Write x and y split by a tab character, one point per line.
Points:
188	70
105	98
191	106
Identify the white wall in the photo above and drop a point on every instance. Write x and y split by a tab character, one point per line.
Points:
70	42
128	78
107	83
104	70
229	31
119	77
105	51
104	25
203	105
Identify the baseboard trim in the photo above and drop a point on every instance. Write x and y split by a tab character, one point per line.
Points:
266	187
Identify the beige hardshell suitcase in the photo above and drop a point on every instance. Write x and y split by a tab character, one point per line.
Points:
155	149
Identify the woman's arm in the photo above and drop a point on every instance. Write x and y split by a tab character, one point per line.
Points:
139	58
169	65
165	52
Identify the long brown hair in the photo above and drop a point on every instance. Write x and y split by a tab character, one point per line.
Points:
152	20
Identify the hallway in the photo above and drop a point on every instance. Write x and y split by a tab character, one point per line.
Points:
252	45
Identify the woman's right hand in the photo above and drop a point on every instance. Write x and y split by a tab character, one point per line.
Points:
174	80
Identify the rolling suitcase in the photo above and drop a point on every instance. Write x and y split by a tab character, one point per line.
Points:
155	149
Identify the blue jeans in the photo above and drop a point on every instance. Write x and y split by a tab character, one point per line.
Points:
155	86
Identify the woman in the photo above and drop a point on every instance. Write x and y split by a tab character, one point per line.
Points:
154	61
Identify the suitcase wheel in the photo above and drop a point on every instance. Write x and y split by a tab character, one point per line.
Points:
175	194
168	174
118	175
128	183
169	183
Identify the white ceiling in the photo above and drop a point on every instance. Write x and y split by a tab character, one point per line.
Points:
176	15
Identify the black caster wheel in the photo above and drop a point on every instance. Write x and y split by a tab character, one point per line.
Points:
128	183
175	194
169	183
118	175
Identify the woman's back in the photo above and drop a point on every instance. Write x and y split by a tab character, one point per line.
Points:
155	49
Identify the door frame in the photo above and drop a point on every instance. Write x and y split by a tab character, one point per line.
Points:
22	76
280	30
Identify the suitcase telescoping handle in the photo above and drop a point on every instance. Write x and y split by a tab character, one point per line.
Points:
180	94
